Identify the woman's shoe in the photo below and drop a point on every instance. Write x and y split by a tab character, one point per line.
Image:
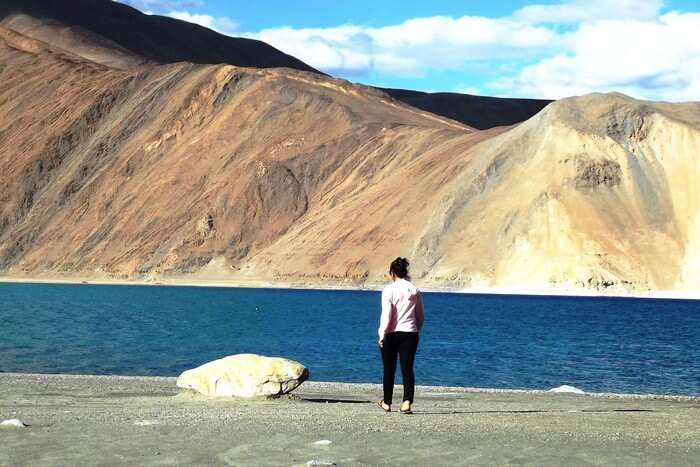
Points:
384	406
407	410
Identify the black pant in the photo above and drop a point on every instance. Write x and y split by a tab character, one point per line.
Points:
405	345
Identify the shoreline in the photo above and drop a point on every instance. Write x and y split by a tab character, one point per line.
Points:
130	420
513	291
336	385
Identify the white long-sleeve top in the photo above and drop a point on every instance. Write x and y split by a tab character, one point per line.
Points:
402	308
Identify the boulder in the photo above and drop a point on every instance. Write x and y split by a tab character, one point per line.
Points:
13	423
567	390
245	375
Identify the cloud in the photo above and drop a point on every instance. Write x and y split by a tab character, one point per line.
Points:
179	9
163	6
546	50
471	90
420	45
412	47
646	59
578	11
542	50
342	50
220	24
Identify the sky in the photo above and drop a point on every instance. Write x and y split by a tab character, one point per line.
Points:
648	49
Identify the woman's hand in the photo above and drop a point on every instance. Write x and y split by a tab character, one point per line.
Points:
381	343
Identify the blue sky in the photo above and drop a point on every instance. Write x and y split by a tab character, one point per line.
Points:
550	49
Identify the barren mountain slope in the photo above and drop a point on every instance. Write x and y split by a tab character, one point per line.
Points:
126	174
119	36
226	173
600	191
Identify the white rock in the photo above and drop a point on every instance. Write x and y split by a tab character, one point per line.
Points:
245	375
13	423
567	389
323	442
315	463
146	422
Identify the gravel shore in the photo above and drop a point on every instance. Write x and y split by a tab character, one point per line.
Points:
112	420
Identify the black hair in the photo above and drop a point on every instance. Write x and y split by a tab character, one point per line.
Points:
399	267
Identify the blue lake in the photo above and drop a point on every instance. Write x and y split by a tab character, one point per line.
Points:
596	344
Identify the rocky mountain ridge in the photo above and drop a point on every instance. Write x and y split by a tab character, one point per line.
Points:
122	37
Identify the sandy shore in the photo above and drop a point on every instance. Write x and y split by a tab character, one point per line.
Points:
190	282
93	420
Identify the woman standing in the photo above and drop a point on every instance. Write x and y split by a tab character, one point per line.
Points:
401	321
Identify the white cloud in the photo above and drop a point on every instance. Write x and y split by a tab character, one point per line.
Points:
340	50
179	9
220	24
578	11
570	47
648	59
412	47
547	50
162	6
471	90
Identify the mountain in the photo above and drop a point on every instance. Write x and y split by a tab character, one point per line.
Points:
122	37
217	172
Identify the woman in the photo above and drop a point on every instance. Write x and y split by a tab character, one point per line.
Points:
401	320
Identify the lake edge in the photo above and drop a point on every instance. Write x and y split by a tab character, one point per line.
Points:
263	285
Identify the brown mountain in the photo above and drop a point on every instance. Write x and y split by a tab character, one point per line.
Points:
217	172
122	37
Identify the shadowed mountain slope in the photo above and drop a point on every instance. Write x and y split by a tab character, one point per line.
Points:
122	37
97	28
479	112
219	172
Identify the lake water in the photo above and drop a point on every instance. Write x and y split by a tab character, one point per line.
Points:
488	341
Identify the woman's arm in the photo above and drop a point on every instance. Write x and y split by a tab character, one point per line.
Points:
420	315
386	313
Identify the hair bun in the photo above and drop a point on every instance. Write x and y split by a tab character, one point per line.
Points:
399	267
